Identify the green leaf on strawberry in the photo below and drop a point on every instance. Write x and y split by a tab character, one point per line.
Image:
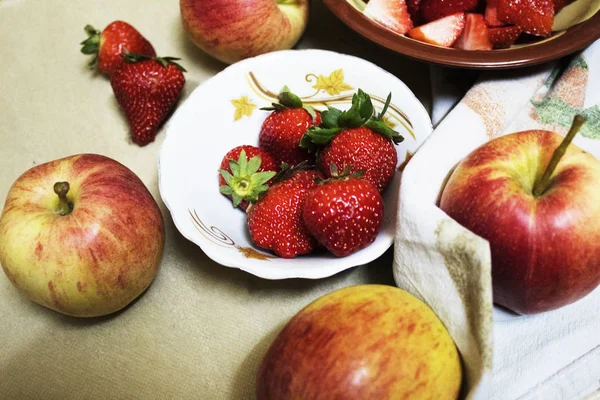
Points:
288	100
362	113
245	182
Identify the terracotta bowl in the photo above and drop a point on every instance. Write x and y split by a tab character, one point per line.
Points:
558	45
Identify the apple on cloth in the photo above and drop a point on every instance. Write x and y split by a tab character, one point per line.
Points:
81	235
552	354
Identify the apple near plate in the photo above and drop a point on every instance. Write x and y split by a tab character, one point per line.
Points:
224	112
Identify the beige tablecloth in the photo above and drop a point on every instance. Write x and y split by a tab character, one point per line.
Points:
201	329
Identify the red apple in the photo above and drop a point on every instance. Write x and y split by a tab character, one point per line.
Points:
540	213
231	30
81	235
362	342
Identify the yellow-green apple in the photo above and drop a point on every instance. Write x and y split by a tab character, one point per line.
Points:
362	342
81	235
537	201
231	30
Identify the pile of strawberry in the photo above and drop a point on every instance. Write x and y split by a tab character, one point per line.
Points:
316	178
467	24
146	87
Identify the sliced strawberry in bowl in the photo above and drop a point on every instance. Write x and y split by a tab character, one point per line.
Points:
442	32
504	37
491	14
393	14
414	11
432	10
533	16
475	36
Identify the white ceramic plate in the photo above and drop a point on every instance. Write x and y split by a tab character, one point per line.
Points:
224	112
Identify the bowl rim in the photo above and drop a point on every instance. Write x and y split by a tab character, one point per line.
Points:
573	39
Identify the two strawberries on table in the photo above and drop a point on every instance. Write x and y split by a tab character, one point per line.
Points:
146	87
316	178
467	24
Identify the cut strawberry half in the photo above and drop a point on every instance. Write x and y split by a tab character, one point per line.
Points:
491	14
533	16
393	14
475	36
442	32
432	10
504	37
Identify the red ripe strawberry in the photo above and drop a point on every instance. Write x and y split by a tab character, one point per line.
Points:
344	215
109	46
147	89
442	32
475	36
533	16
504	37
246	171
275	221
281	132
432	10
491	14
356	137
414	7
393	14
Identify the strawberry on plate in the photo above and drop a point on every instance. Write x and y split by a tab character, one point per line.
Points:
343	213
475	36
275	221
432	10
533	16
442	32
282	130
246	171
392	14
147	88
504	37
356	137
110	45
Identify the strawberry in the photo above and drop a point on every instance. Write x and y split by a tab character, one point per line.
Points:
475	36
109	46
533	16
432	10
147	88
442	32
275	221
281	132
245	172
491	14
344	213
504	37
356	137
393	14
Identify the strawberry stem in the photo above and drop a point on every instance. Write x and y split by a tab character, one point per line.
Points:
542	185
91	45
64	206
164	61
244	182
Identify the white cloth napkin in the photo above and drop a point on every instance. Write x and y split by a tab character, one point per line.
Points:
554	355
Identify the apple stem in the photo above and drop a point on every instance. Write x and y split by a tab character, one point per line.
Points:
64	206
542	184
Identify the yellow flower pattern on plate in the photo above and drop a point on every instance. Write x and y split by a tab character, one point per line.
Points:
332	84
243	107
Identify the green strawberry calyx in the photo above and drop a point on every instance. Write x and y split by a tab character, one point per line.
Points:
362	113
336	175
244	182
164	61
288	100
91	45
286	171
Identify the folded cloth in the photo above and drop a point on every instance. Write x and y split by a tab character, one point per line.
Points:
553	355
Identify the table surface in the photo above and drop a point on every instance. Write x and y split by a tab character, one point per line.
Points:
201	329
